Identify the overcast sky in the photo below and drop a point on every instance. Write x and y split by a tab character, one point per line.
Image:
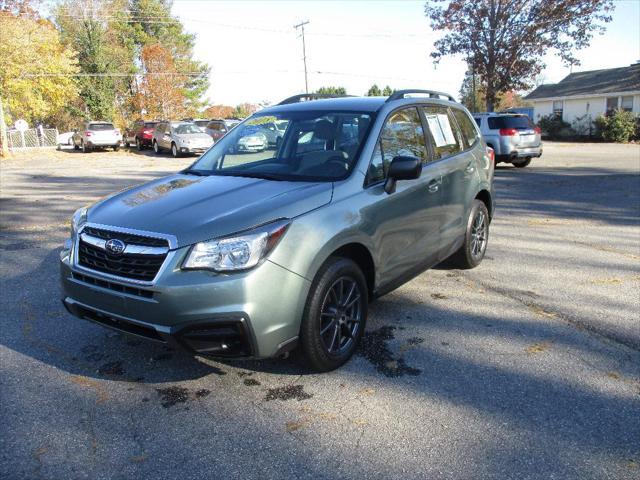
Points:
255	54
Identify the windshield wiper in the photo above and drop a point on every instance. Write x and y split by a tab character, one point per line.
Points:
198	173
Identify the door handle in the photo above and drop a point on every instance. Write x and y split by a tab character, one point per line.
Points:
434	185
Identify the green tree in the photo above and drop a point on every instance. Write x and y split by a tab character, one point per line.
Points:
506	40
331	91
99	32
387	91
472	92
374	91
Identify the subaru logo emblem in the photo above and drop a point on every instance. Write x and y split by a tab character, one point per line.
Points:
115	246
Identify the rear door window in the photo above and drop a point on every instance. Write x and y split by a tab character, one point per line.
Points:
469	132
402	135
444	136
519	122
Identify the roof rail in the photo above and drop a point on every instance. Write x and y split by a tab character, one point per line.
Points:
305	97
432	94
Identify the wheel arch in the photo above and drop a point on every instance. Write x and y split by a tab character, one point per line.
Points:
361	255
485	197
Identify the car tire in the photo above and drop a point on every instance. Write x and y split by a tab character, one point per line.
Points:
138	144
126	144
174	151
76	147
335	315
476	238
156	147
83	147
523	163
116	148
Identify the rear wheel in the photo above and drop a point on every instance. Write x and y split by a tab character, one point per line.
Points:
522	163
116	148
476	238
156	147
335	315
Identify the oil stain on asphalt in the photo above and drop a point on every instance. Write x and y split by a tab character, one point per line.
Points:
375	348
288	392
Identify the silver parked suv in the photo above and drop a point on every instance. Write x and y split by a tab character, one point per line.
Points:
96	135
513	137
257	253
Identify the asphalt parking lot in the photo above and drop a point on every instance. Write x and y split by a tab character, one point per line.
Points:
526	367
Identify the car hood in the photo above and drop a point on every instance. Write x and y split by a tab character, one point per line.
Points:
194	208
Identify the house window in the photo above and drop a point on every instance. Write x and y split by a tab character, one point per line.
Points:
612	105
627	103
557	108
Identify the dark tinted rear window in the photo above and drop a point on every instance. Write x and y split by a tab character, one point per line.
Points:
150	124
520	122
101	126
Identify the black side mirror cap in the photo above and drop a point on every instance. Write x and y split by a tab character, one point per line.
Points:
402	168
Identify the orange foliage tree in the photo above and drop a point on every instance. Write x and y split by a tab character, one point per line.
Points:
161	91
219	111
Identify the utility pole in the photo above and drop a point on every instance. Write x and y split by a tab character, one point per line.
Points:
304	54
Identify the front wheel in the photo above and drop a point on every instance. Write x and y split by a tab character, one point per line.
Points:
156	147
335	315
116	148
476	238
174	150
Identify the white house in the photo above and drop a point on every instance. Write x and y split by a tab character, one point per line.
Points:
583	96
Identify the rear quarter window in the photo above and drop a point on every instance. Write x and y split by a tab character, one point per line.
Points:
469	132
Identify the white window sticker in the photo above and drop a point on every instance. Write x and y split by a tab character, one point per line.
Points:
443	120
436	131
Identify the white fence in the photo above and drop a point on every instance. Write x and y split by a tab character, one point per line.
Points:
32	138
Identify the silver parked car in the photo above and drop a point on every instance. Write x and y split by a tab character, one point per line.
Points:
513	137
181	138
96	135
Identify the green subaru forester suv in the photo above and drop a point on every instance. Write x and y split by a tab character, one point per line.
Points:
257	251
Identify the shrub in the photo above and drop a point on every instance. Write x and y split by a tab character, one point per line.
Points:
619	127
583	126
555	128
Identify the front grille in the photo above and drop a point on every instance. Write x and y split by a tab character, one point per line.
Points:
126	237
134	266
116	287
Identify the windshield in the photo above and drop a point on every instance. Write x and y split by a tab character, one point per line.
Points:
521	122
186	128
305	146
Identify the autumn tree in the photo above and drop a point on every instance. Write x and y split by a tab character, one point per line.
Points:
504	41
219	111
162	89
36	71
472	92
244	110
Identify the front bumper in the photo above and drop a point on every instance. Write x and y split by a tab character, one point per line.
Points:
255	313
197	150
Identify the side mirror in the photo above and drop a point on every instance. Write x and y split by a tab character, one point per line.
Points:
402	168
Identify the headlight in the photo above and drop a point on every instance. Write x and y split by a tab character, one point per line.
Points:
78	220
239	252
